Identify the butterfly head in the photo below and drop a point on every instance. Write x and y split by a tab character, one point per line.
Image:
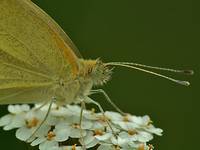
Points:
96	70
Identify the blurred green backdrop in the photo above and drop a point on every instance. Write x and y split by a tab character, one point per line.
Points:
160	33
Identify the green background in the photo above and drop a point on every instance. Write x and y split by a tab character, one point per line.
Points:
159	33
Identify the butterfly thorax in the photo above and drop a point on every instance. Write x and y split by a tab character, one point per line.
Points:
91	73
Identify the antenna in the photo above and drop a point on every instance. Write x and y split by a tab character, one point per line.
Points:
137	66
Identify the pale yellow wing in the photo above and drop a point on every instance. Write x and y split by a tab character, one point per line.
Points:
52	23
25	95
32	54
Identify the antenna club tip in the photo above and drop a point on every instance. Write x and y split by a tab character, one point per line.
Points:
189	72
186	83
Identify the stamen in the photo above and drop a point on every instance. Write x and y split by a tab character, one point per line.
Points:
141	147
98	132
117	147
74	147
126	119
103	118
93	111
32	123
132	132
50	135
151	147
76	126
150	122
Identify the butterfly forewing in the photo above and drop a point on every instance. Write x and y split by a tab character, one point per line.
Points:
54	25
32	52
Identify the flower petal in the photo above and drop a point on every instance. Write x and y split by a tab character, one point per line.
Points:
16	109
23	133
89	140
103	137
77	133
61	135
49	145
38	141
5	120
105	147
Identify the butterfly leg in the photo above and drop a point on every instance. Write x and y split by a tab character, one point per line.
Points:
80	123
108	99
40	107
45	118
89	100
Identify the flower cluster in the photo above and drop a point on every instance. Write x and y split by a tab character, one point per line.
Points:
62	129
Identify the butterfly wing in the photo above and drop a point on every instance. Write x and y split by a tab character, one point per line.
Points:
54	25
32	53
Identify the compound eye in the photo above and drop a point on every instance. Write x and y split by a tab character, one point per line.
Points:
62	83
89	70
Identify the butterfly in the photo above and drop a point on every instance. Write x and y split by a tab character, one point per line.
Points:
38	61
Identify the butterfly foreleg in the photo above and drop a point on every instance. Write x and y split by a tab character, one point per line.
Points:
108	99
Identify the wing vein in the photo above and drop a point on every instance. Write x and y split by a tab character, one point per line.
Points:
33	85
14	94
35	57
27	70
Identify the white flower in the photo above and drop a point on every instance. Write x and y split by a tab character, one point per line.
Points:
106	147
72	126
73	147
5	120
32	121
52	139
17	109
141	121
153	130
136	136
63	124
121	142
16	117
75	110
95	137
55	110
89	140
49	145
